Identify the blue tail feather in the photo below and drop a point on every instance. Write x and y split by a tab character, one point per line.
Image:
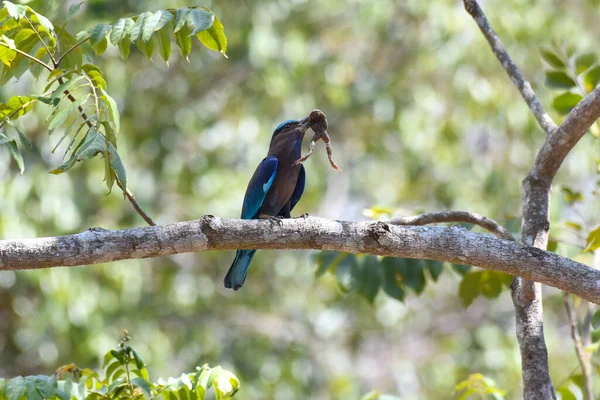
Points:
239	269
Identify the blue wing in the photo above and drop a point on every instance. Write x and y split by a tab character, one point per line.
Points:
299	189
259	186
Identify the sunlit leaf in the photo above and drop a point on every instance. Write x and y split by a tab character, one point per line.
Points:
99	32
164	44
214	38
16	11
591	78
200	20
593	240
181	18
184	41
93	144
138	27
121	30
584	61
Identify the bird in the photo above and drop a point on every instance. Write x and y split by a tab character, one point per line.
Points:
274	189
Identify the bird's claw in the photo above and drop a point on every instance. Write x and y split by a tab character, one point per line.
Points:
303	216
272	219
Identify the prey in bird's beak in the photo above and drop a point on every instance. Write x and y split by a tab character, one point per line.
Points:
318	122
305	123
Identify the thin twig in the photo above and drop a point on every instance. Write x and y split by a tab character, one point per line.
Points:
37	60
66	53
583	356
135	203
511	68
41	40
456	216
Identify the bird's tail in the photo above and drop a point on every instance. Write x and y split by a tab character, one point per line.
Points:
239	269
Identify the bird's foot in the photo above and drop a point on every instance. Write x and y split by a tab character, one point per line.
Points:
303	216
271	218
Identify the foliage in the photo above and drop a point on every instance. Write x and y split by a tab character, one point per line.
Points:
77	91
477	386
366	275
125	377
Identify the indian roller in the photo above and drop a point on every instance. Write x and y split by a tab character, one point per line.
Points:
274	189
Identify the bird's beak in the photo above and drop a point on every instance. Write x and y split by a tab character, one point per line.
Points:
305	123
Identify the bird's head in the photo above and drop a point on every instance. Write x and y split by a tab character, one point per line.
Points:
290	130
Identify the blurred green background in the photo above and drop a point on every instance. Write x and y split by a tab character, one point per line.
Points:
422	118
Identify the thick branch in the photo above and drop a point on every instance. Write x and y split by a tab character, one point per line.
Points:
452	244
511	68
456	216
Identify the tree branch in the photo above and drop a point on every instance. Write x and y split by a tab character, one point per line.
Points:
452	244
455	216
511	68
584	357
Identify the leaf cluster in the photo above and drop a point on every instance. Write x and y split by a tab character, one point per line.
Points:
124	377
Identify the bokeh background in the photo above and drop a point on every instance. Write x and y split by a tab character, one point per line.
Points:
422	118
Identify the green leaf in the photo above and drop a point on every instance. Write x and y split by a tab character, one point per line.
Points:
565	393
101	47
7	55
226	384
565	102
99	32
120	30
469	288
16	11
164	44
151	24
571	196
124	48
147	48
74	9
23	139
93	144
327	260
370	277
112	108
43	21
184	41
591	78
15	388
144	385
559	79
348	274
138	27
60	90
16	155
435	268
94	73
593	240
214	38
392	279
552	58
22	36
200	20
181	18
596	319
164	18
74	59
584	61
410	271
62	115
491	285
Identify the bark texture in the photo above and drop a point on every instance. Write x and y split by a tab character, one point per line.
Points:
452	244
